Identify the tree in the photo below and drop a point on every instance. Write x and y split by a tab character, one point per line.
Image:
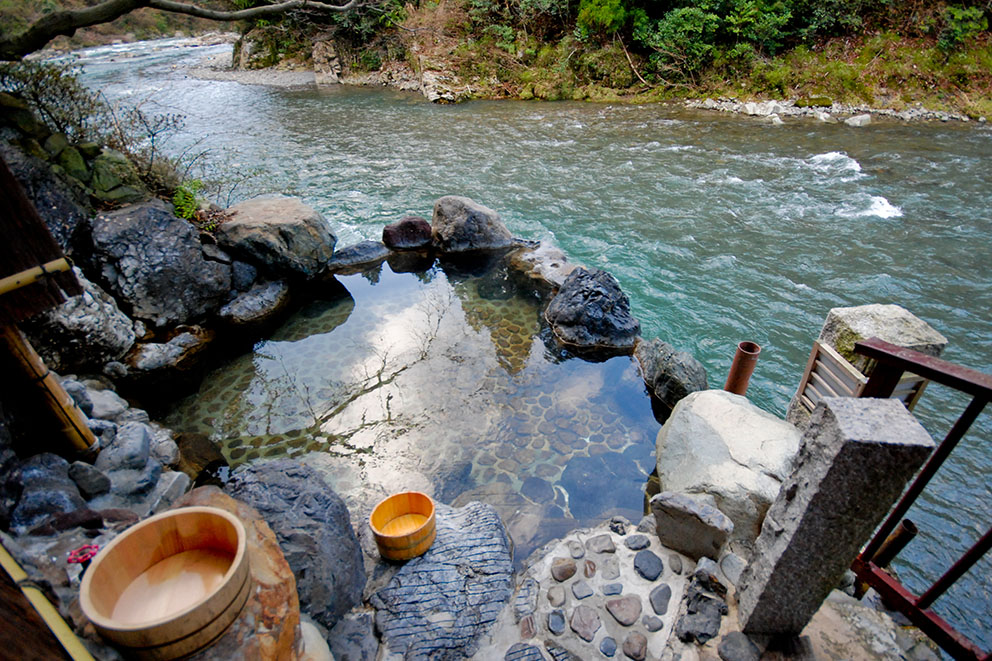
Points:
67	21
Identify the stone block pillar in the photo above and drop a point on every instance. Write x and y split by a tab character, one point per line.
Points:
892	323
856	458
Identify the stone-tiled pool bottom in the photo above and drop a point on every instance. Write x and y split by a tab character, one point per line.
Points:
438	382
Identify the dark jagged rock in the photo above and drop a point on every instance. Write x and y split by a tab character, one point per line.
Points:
154	367
462	225
90	481
81	518
153	261
704	610
314	531
440	604
669	374
408	233
736	646
357	258
257	307
353	637
282	235
47	490
591	313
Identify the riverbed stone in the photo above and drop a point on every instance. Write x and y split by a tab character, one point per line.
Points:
719	444
563	569
556	622
856	458
591	312
314	530
280	234
660	598
556	595
736	646
581	590
611	568
84	332
559	653
269	624
601	544
460	224
648	565
612	589
107	404
858	121
637	542
588	568
585	622
446	600
625	610
407	233
670	374
652	623
675	563
257	307
153	262
635	646
47	490
356	258
690	524
608	647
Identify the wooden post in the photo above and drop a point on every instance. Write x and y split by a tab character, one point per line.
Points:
73	420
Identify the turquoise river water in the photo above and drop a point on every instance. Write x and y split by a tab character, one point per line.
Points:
719	228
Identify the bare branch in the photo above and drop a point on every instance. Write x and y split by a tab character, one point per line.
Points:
66	22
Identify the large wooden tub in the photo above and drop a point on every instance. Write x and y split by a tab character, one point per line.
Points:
170	585
403	525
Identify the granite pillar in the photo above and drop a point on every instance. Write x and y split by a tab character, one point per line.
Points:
855	460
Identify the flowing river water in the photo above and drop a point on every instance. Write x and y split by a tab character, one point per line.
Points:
719	228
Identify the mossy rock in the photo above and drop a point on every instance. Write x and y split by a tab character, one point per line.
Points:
15	112
55	143
72	162
112	169
89	150
121	195
815	102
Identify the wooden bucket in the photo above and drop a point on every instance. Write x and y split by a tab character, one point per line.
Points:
170	585
403	525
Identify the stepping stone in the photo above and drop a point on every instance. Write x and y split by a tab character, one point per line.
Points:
601	544
575	550
611	568
608	647
646	564
675	562
523	652
581	590
636	646
589	568
625	610
637	542
660	597
612	589
651	623
563	569
556	595
556	622
585	622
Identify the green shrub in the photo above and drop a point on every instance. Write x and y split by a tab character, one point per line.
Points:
186	199
683	40
601	17
56	96
960	25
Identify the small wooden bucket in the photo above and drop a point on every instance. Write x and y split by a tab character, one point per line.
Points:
170	585
403	525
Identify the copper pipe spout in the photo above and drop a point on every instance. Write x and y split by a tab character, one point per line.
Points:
742	368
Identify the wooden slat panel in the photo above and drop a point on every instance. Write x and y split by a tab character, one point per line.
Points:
845	370
837	384
822	385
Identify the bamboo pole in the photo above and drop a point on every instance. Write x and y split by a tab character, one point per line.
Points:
73	420
26	277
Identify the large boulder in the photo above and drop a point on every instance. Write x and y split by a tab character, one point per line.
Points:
590	312
269	624
462	225
47	490
669	374
720	444
154	262
314	530
115	179
407	233
360	257
281	234
85	332
62	204
544	265
441	604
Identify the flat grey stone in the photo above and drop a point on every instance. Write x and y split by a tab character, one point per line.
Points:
611	569
585	622
612	589
651	623
575	550
732	566
690	525
648	565
637	542
660	597
625	610
523	652
601	544
563	569
556	595
556	622
608	647
647	524
581	590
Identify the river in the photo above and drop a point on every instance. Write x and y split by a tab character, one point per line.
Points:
719	228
